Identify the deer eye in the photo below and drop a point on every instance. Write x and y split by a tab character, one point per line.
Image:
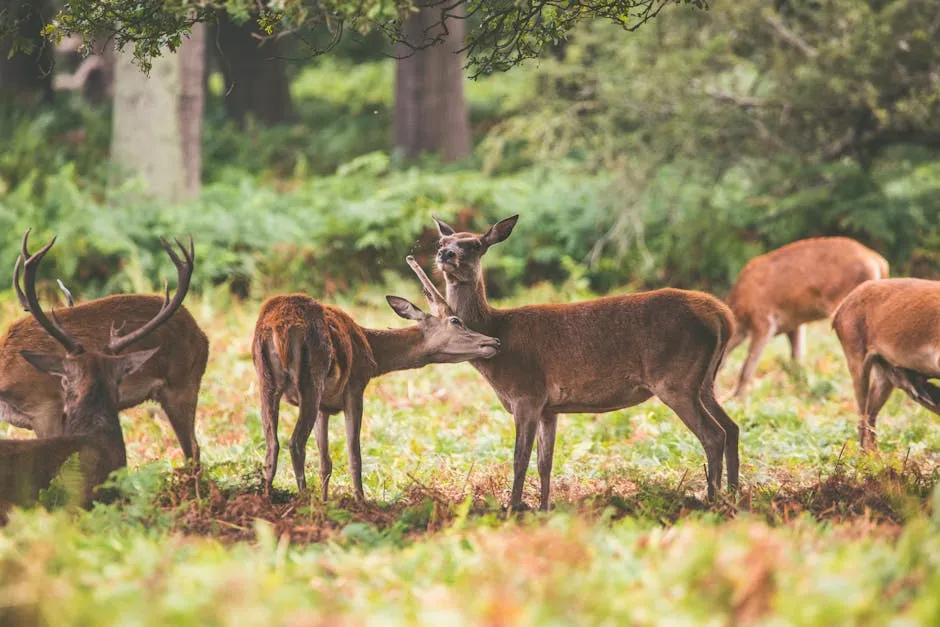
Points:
456	322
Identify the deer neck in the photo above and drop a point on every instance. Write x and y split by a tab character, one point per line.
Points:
397	349
468	300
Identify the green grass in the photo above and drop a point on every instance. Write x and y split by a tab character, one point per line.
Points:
820	535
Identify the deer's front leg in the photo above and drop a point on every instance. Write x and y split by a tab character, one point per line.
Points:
527	420
353	413
546	455
322	434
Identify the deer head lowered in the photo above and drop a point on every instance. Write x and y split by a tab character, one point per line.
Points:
89	381
781	291
594	356
321	360
890	334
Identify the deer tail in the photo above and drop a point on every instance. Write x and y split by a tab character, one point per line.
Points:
724	328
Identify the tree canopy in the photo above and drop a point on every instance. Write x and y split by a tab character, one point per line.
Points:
501	34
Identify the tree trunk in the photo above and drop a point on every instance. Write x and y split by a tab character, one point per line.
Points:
26	78
255	77
158	118
430	110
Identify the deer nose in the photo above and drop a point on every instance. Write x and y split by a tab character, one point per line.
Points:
446	255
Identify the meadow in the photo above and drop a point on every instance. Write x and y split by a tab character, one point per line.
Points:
820	534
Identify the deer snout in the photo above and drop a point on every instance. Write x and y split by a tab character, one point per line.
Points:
446	255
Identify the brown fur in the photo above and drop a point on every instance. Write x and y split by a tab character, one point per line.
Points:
890	334
595	356
801	282
317	357
88	386
32	400
28	466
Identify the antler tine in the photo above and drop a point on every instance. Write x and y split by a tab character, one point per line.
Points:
69	300
16	284
435	300
184	270
52	326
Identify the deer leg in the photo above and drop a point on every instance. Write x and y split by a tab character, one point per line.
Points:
180	409
526	421
797	339
692	412
732	431
546	453
915	385
270	408
307	418
322	434
760	336
353	413
879	390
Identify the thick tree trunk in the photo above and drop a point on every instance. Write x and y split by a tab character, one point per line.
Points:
26	78
255	77
430	110
158	118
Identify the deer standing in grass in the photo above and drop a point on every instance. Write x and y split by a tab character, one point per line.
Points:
89	383
890	334
317	357
783	290
33	400
595	356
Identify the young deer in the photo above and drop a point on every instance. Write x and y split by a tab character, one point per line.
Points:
890	334
321	360
172	378
89	382
801	282
594	356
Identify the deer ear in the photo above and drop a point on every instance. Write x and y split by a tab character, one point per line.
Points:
50	364
131	362
405	308
499	231
443	228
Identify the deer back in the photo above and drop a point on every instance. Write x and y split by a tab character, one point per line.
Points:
335	346
595	349
803	281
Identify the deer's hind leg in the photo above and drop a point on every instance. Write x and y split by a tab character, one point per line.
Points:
693	413
879	389
271	392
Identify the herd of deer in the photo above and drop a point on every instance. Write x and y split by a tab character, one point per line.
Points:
67	376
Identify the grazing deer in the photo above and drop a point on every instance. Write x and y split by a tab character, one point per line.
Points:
321	361
32	400
801	282
890	334
595	356
89	382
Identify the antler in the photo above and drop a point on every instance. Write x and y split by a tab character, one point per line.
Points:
27	295
184	269
437	302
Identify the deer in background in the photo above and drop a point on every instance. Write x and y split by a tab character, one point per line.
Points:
32	400
317	357
783	290
595	356
890	334
89	382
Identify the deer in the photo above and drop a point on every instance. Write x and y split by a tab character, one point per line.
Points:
318	358
594	356
89	381
32	400
890	334
783	290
